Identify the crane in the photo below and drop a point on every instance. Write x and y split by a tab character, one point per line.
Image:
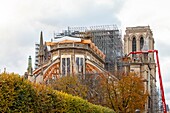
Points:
159	73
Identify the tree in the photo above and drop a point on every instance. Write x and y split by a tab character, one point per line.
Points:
127	94
18	95
122	95
88	88
95	88
71	85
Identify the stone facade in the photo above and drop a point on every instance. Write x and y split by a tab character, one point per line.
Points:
141	39
68	56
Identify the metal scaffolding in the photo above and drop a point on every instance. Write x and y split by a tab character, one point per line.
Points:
106	37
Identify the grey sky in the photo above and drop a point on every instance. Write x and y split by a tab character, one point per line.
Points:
156	14
22	20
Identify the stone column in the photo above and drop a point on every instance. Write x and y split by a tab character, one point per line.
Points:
137	44
129	46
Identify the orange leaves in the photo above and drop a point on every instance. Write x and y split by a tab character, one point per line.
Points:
127	94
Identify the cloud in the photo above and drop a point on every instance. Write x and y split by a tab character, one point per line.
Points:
155	14
22	21
80	13
167	92
15	47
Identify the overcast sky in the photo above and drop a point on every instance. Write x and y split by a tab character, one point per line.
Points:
22	20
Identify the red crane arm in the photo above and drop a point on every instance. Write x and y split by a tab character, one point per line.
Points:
159	72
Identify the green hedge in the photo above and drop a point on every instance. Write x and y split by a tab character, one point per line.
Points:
19	95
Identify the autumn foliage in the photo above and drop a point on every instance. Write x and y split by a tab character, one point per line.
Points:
127	94
19	95
123	95
71	85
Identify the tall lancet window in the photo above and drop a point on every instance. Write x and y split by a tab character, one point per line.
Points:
141	43
134	44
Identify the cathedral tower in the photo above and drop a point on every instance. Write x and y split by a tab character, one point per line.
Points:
41	50
140	38
29	69
29	73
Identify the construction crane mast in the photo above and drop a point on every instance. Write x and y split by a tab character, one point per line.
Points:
159	73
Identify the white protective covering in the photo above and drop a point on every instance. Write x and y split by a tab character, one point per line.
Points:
68	38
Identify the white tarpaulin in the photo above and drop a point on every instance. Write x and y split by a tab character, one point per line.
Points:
68	38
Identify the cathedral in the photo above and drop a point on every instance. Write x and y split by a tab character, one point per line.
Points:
77	55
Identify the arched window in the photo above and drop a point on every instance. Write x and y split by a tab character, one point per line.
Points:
141	43
79	62
134	44
66	65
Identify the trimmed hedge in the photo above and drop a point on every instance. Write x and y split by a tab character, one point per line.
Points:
19	95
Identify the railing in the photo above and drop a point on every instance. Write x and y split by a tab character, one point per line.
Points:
78	46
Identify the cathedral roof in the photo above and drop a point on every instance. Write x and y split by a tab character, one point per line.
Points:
65	38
